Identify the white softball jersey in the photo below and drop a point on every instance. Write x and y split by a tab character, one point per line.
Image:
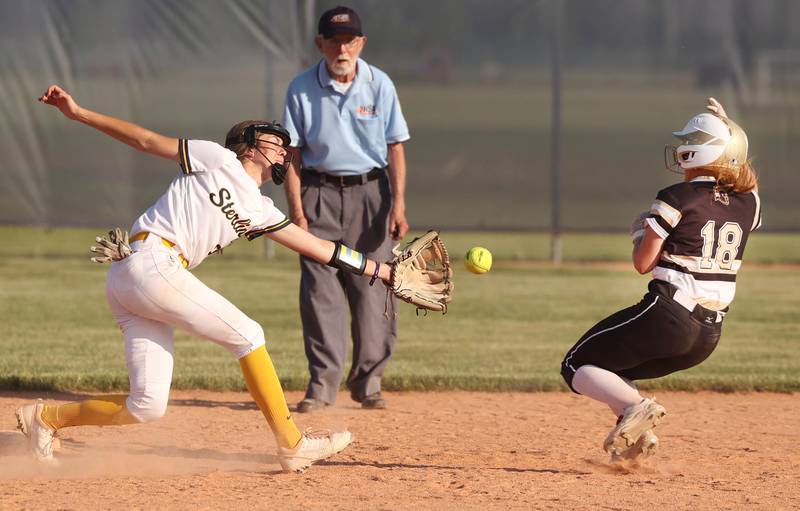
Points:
211	203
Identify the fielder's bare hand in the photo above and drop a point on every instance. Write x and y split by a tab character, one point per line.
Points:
59	98
715	107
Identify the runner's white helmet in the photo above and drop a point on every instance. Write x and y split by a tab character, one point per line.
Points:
708	140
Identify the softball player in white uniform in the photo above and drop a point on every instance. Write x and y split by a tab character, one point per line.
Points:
212	202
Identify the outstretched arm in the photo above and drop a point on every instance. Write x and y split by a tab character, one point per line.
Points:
305	243
126	132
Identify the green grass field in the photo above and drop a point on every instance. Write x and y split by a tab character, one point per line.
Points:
505	331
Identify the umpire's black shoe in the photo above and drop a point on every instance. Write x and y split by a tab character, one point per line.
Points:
310	404
374	402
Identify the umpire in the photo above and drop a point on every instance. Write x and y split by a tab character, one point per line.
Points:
346	182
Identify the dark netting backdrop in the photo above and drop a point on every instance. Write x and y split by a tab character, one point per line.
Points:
474	78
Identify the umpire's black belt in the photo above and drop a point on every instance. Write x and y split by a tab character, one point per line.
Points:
312	177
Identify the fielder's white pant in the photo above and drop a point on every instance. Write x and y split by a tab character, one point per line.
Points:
149	293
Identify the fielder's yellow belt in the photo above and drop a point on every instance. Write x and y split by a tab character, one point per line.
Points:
141	236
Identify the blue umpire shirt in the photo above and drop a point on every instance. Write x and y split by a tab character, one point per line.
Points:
344	134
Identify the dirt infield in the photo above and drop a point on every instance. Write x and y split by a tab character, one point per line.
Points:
454	450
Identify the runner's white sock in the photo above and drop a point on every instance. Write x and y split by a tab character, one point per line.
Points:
606	387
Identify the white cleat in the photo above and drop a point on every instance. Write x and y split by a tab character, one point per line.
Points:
40	435
645	447
313	447
635	420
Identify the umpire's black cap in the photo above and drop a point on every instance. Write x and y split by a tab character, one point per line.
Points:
339	20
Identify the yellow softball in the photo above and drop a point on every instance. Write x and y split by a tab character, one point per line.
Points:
478	260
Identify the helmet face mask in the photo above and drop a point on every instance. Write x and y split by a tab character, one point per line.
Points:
671	159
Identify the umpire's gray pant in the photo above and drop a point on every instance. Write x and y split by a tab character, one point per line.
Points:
358	216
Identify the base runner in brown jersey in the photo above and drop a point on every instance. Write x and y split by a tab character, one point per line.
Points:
692	240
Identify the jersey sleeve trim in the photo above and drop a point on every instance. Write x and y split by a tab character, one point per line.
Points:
183	156
660	231
671	215
266	230
757	214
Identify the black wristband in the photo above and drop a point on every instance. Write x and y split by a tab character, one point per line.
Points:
347	259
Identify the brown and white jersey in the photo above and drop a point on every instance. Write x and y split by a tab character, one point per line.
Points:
704	233
211	203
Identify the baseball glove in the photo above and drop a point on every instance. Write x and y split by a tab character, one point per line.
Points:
114	246
421	273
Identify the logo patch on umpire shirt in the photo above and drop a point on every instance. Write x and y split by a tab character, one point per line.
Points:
367	111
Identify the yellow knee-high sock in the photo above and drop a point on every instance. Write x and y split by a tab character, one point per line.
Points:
265	388
99	411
